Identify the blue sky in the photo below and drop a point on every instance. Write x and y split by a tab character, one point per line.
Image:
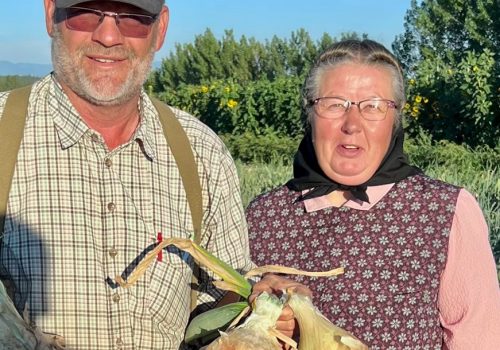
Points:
24	40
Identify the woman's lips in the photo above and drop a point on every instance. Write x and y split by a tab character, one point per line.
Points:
349	151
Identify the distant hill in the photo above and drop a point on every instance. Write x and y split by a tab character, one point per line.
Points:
33	69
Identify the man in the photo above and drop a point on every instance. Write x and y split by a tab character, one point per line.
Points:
95	182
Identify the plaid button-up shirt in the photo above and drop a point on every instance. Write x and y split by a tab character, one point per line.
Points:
79	214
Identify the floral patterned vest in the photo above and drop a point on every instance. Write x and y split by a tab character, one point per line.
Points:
393	255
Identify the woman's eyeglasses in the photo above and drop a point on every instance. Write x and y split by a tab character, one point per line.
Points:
130	24
336	107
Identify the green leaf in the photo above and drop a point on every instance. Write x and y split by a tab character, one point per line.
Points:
206	325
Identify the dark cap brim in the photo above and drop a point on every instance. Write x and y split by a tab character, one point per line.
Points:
152	6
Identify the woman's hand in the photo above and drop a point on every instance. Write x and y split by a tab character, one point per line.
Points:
274	284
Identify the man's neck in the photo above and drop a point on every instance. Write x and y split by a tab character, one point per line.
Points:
116	124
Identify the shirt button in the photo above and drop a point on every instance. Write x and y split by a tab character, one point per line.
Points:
108	162
113	252
119	343
111	206
95	138
116	297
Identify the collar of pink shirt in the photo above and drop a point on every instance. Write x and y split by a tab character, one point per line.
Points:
375	193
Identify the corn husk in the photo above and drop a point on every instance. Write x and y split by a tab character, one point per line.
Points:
255	333
316	331
16	333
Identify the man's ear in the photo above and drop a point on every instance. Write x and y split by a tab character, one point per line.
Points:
50	8
163	19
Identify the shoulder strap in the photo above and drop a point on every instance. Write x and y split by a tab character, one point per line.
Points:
181	149
11	134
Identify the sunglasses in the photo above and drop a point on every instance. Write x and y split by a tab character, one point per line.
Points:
130	24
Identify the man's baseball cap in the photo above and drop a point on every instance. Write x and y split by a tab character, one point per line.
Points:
152	6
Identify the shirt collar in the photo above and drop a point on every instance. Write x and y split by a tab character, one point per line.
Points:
375	193
70	127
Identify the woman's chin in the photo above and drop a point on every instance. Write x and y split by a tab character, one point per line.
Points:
351	177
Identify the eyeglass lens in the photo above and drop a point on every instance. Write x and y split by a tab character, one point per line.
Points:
333	107
87	20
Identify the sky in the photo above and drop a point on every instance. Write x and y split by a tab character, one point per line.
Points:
24	40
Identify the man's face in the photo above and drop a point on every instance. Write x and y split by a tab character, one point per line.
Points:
103	67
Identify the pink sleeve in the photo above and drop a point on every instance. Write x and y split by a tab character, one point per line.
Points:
469	295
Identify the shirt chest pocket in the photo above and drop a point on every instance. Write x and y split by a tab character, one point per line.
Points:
168	295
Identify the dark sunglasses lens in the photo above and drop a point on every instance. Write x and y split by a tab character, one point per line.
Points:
130	25
135	26
82	19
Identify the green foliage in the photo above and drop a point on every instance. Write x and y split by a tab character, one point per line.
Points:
9	82
260	107
266	148
475	169
450	50
244	60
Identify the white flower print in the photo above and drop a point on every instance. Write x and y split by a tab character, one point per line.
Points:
376	228
377	323
353	309
389	252
336	252
405	218
348	239
366	239
354	251
411	229
344	297
371	310
429	230
407	253
362	262
397	206
419	241
423	218
385	275
383	240
410	324
367	274
403	276
358	228
433	206
319	253
371	251
315	243
359	322
395	323
425	253
363	298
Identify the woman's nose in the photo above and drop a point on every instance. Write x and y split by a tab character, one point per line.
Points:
352	120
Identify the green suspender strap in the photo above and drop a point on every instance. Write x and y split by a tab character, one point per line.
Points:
11	133
181	149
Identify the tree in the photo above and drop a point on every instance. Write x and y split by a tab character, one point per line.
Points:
450	51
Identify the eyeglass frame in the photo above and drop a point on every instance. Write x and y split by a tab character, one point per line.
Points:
390	104
115	15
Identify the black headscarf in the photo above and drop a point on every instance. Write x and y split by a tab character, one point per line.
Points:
307	174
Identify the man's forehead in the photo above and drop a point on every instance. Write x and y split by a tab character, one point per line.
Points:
150	6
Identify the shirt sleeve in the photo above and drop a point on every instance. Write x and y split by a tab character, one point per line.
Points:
469	295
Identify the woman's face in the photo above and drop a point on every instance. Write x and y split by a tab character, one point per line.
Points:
350	149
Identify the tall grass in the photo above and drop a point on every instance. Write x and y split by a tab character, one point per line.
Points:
476	170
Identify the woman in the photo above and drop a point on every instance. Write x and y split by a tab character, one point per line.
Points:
419	271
